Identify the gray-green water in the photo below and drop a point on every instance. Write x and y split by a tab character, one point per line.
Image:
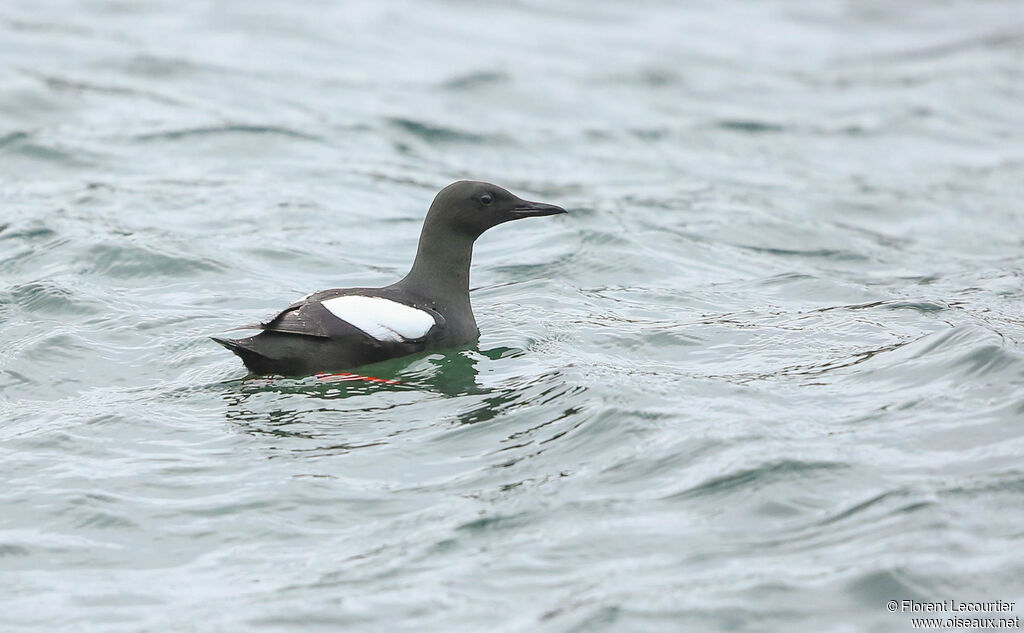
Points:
767	375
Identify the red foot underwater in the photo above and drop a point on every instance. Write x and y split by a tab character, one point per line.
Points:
344	377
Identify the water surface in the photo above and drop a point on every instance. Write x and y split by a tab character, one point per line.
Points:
767	374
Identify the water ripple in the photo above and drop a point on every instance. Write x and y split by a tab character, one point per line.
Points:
766	374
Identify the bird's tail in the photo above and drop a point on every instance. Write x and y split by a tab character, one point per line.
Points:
253	360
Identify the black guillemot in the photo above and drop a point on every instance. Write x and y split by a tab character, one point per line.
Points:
342	328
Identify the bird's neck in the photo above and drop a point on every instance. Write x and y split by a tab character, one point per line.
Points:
441	268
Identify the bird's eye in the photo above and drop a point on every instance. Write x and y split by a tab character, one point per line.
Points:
486	199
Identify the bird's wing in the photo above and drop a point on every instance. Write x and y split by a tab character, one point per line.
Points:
381	319
302	317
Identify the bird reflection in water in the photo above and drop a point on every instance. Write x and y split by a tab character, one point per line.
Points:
451	374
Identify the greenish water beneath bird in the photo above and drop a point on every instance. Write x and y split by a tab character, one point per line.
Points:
767	374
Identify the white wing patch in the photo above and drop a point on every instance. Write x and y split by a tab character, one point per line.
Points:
383	319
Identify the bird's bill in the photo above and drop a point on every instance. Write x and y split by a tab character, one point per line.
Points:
534	209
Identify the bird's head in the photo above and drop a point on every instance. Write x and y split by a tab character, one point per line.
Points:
471	207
